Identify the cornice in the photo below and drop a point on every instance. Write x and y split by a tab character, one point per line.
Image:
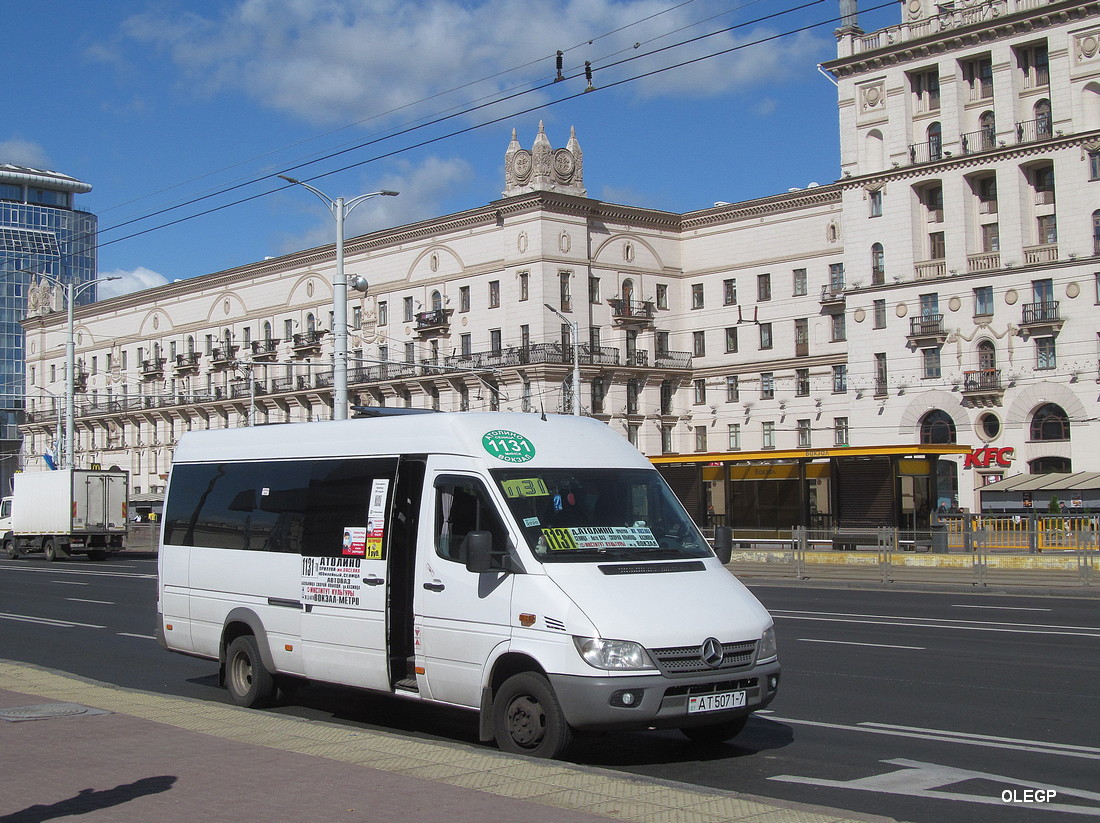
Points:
828	194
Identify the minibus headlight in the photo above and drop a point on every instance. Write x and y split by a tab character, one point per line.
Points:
768	647
612	654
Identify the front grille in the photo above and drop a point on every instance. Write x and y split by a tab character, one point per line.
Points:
749	684
677	661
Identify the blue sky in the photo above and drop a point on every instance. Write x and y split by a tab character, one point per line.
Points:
158	103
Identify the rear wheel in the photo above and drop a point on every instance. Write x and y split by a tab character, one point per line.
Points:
49	548
249	683
716	732
527	717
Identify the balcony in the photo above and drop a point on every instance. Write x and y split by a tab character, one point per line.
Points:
1046	253
307	343
223	357
245	388
930	269
636	358
832	297
672	359
986	261
1031	131
433	323
265	350
152	369
982	388
928	152
187	363
977	141
1041	318
926	330
631	313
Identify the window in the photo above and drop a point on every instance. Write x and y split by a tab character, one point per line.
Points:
356	319
983	300
978	74
937	246
930	363
767	435
1044	124
840	431
878	265
524	285
987	131
836	277
462	505
633	392
494	294
839	331
660	343
767	385
733	437
880	314
1045	355
593	289
840	379
666	439
935	141
1094	165
1096	232
700	387
926	89
525	336
662	296
1050	422
802	337
494	341
937	428
804	437
466	345
697	295
731	339
700	438
1034	65
463	298
874	201
667	392
765	336
698	343
632	434
565	294
802	382
408	309
410	352
729	292
800	282
1047	226
594	339
763	287
991	237
1043	181
881	374
733	391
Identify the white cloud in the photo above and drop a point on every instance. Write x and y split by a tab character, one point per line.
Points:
340	61
129	281
20	152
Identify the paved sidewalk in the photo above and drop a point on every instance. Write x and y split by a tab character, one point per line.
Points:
112	755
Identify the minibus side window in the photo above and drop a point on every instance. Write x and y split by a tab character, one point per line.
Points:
461	506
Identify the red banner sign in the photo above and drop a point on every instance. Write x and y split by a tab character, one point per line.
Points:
984	458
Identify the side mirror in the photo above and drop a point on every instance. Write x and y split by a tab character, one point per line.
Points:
479	552
723	543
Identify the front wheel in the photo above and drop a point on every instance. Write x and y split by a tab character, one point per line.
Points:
716	732
527	717
10	550
249	683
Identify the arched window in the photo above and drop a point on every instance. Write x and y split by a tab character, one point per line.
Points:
628	290
874	152
987	356
267	330
1050	422
1043	121
1049	465
190	344
937	428
935	142
987	123
311	323
878	264
437	301
227	336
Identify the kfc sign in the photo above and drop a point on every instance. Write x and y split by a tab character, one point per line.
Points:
984	458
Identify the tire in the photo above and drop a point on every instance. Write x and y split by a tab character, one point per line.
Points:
10	550
249	683
49	548
716	732
527	718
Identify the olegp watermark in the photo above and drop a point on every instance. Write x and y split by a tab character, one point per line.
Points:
1028	795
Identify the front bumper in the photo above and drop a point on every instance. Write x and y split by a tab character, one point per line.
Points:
595	704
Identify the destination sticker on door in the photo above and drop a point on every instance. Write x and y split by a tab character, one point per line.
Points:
508	446
332	581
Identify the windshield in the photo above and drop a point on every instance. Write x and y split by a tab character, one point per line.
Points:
587	515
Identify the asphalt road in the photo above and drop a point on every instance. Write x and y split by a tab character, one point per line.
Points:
922	706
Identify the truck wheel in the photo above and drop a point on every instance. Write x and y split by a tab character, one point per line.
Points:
50	550
527	717
10	550
717	732
249	683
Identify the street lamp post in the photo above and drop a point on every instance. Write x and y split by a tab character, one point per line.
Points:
575	336
340	210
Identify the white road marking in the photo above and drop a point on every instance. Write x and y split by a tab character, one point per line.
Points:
139	636
1004	608
45	621
938	623
70	583
81	600
853	643
917	779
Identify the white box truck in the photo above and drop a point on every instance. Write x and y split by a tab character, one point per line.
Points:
66	512
535	569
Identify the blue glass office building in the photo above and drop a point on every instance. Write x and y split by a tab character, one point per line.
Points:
40	233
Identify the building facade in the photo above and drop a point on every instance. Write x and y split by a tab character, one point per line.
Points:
44	243
862	352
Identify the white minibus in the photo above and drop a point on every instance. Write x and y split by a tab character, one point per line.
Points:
534	568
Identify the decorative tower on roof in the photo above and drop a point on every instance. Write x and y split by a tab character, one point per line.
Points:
544	168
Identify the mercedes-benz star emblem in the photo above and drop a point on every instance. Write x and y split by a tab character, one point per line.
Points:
711	652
